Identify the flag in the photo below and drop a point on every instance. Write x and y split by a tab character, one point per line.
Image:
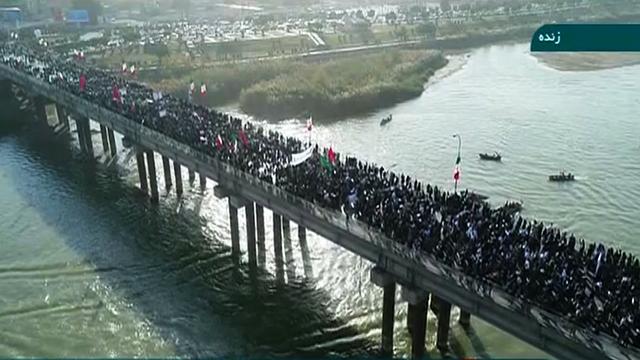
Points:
133	70
456	173
124	67
81	55
219	143
83	82
325	163
192	88
244	138
310	123
331	155
203	89
299	158
115	91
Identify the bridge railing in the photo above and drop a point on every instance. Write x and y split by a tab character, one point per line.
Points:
426	272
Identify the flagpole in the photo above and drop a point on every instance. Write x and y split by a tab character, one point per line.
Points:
455	186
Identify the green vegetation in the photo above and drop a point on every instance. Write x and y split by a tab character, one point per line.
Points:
343	87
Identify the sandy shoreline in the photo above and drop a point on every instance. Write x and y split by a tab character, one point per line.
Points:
589	61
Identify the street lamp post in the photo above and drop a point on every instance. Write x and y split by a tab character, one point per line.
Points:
456	174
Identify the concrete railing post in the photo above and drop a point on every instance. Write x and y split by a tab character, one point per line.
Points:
192	177
288	249
203	182
142	171
63	117
87	135
260	235
153	181
80	133
251	233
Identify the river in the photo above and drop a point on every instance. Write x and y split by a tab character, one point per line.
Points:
89	268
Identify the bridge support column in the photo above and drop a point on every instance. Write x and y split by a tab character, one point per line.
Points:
465	319
444	318
177	170
40	104
235	231
260	235
192	177
105	139
142	171
87	136
166	166
80	134
112	142
277	246
304	248
5	89
416	319
288	249
153	180
203	182
380	278
63	117
251	233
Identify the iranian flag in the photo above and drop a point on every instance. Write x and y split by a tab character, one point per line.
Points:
219	143
124	68
203	89
310	123
457	172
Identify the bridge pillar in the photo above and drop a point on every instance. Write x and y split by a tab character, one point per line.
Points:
465	319
304	248
251	233
80	134
40	103
416	319
166	166
203	182
112	142
5	89
105	139
142	171
192	177
288	249
63	117
260	235
87	136
380	278
153	180
177	170
277	247
444	318
235	231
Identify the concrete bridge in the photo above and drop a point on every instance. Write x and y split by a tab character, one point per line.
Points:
424	281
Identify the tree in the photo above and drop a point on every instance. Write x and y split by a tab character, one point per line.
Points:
93	7
427	29
391	17
160	50
445	5
403	33
364	32
371	13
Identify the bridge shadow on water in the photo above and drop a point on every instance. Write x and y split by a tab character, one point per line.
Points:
170	267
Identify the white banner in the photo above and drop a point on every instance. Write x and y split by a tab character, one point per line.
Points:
297	159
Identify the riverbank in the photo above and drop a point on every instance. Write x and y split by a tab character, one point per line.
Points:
332	89
587	61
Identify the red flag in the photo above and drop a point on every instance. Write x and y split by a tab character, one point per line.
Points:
83	82
115	91
310	123
456	173
331	155
244	138
219	143
203	89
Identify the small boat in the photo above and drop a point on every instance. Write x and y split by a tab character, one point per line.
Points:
494	157
562	177
386	120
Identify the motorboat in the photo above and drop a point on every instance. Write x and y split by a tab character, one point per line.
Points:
562	177
386	120
491	157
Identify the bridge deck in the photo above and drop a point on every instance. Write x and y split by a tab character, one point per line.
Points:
529	323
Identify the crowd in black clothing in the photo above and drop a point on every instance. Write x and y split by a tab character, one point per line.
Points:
591	285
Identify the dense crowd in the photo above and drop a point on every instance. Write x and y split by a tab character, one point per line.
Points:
591	285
